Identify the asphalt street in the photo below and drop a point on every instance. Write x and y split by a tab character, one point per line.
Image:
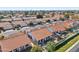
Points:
75	48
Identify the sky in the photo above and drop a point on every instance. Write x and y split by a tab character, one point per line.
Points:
39	8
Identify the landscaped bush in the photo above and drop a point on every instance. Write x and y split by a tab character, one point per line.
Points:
18	27
31	24
50	46
1	37
40	23
48	21
36	48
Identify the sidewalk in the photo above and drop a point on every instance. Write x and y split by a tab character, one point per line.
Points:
72	46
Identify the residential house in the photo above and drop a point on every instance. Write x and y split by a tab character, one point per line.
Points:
16	43
5	25
40	36
21	23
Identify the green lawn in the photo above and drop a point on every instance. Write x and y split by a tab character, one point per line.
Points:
69	44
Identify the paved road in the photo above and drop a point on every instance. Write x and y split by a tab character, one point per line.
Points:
75	48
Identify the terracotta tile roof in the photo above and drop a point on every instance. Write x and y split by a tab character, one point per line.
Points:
61	26
67	24
5	25
41	33
57	27
57	17
22	23
14	42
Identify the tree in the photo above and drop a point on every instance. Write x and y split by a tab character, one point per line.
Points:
36	48
26	13
18	27
62	19
39	16
66	15
1	17
50	46
31	24
48	21
40	23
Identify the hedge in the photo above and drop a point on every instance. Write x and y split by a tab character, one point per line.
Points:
65	41
69	44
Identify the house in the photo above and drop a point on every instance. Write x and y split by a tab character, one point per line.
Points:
6	19
5	25
40	35
67	24
16	43
17	19
61	26
21	23
10	33
57	27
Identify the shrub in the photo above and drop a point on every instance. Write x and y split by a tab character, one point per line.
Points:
18	27
69	44
50	46
31	24
36	48
48	21
1	37
65	41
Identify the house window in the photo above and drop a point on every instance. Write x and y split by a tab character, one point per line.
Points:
29	36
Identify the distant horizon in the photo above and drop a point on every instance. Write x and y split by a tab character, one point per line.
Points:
37	8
